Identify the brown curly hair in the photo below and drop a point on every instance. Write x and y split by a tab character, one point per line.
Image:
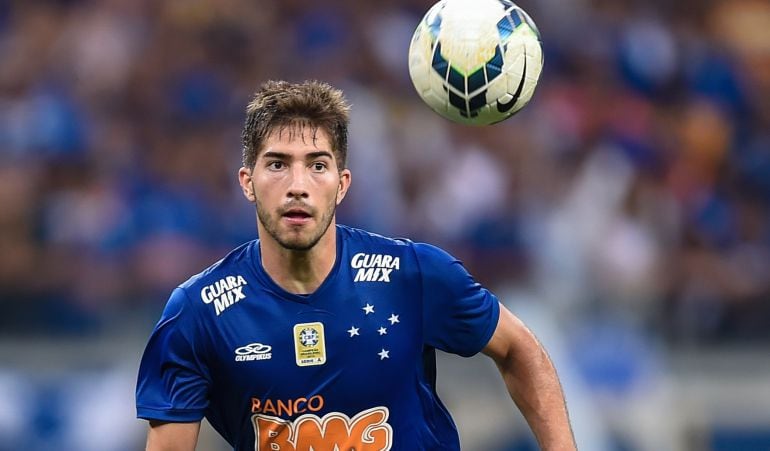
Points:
280	105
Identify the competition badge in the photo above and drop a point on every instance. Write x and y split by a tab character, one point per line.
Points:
309	344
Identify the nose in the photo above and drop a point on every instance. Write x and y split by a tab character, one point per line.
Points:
298	188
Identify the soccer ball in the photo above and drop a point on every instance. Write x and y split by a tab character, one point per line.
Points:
476	62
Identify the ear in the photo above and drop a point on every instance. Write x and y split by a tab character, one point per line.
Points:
342	189
244	178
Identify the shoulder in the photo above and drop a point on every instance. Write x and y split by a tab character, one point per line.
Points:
440	268
432	255
229	272
366	247
362	237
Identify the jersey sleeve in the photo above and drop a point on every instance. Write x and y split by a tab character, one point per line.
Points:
173	381
459	315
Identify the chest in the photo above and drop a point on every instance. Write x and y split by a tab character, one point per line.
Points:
364	339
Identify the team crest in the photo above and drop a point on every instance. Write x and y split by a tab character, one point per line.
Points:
309	344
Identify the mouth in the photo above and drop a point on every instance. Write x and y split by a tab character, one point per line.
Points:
296	216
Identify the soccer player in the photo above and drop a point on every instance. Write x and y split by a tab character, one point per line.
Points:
321	336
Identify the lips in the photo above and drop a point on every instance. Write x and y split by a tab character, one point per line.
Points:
297	216
296	213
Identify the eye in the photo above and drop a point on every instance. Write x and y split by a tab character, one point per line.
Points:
318	166
276	165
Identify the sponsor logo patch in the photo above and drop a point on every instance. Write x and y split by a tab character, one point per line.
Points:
309	344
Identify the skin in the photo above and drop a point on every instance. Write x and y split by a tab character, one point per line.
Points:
296	173
532	382
172	436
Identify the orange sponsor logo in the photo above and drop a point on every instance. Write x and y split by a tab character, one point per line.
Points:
366	431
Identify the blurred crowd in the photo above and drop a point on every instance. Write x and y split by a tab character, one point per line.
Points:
636	185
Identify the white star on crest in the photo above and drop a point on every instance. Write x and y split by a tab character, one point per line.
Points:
393	319
384	354
353	331
368	309
382	331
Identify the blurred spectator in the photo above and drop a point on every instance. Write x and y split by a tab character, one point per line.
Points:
632	193
643	153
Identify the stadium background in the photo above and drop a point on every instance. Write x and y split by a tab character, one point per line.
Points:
623	214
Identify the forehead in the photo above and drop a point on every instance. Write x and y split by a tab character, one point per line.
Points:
297	137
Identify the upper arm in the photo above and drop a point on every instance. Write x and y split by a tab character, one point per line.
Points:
510	339
172	436
531	380
173	381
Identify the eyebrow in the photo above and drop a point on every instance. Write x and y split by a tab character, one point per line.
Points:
285	156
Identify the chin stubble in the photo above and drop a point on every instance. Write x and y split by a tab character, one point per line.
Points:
271	227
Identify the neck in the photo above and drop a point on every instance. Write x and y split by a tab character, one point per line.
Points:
299	272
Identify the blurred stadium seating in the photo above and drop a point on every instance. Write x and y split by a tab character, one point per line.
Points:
624	213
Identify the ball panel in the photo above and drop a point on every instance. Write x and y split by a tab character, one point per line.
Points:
476	81
505	28
476	102
514	15
432	19
439	63
456	80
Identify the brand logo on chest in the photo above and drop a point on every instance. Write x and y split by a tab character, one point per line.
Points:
374	267
224	292
253	351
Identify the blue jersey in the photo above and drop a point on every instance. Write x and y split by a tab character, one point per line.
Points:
351	365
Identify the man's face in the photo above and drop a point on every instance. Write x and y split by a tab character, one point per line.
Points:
296	186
